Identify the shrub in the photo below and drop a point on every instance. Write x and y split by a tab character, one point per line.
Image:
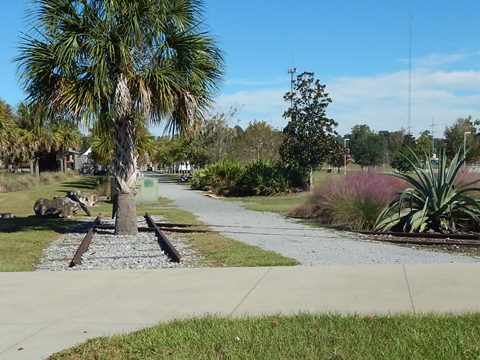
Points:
437	200
464	177
17	182
103	187
222	177
264	178
59	176
21	182
352	202
230	178
47	178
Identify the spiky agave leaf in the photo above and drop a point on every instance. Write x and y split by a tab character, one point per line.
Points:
433	201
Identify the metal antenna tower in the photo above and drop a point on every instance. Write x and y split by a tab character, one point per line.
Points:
292	71
410	78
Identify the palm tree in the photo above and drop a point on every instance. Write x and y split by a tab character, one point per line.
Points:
102	136
6	128
34	133
146	58
66	135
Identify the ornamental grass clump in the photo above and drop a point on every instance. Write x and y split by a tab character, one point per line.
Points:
436	199
351	202
22	182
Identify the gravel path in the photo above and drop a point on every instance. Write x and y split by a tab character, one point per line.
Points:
310	246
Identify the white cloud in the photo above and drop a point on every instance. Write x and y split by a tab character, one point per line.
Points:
381	100
437	60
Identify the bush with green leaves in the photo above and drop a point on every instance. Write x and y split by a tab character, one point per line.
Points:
435	200
262	177
265	178
221	177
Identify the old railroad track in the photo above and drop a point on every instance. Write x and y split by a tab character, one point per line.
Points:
165	245
151	248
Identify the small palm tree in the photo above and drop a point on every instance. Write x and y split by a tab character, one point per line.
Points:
102	137
6	128
66	135
35	135
434	201
146	58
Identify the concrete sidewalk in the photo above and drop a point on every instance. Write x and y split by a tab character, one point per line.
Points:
44	312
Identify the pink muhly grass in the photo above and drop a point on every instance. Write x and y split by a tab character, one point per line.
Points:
464	176
467	177
353	201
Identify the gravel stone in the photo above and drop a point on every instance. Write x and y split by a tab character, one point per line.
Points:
112	252
309	245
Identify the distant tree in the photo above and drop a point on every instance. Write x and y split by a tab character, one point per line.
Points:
454	136
393	141
9	133
402	160
309	134
36	136
367	148
6	123
66	136
259	141
336	157
424	144
238	130
102	140
216	135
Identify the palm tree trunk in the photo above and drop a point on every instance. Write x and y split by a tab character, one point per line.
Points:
31	166
61	164
311	179
125	165
37	167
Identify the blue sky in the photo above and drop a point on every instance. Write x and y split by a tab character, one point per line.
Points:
359	49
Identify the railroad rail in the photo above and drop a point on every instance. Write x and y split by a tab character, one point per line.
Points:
164	243
421	239
424	239
85	244
167	247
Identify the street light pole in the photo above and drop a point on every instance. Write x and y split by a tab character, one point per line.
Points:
345	155
465	147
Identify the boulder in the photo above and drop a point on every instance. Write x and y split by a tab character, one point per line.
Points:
88	199
60	206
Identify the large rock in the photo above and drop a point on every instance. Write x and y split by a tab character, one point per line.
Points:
60	206
88	199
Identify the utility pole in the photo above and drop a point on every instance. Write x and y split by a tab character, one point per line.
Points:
433	135
345	155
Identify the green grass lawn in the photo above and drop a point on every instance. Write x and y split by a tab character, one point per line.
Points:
426	337
216	249
281	204
23	238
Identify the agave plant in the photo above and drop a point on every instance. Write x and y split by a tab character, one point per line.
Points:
433	200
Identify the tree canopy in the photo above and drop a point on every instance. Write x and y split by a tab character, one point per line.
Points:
309	134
